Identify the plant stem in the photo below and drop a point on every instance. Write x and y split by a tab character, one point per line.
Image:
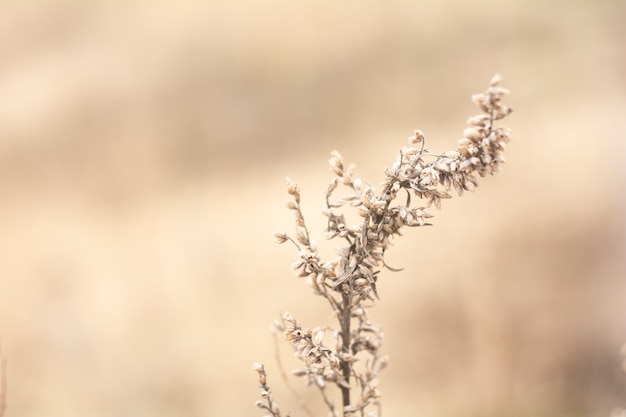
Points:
346	366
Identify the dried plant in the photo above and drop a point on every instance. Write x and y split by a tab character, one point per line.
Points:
349	359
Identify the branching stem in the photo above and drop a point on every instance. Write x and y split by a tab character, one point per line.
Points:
344	322
349	281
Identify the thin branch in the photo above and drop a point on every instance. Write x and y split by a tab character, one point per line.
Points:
286	381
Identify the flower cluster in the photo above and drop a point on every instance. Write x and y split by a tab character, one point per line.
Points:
348	282
417	172
309	346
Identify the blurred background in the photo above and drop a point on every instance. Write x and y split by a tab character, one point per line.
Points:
143	151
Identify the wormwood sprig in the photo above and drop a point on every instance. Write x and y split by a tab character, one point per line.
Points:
350	358
267	403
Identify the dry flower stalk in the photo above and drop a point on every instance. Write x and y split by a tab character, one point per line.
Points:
348	282
267	403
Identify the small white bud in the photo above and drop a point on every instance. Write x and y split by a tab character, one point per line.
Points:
495	80
418	137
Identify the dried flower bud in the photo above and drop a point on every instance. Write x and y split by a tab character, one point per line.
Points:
318	336
336	163
292	187
280	237
347	178
495	80
480	120
302	237
417	138
473	133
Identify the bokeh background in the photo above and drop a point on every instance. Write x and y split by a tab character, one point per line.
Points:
143	151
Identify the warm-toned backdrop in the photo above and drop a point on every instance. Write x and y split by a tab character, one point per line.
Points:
143	150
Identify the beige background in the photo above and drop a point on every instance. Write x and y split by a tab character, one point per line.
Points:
143	150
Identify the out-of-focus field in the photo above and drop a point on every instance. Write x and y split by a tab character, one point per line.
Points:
143	150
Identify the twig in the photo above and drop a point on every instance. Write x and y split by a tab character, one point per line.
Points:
285	378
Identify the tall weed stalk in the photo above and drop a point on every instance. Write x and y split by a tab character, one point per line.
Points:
345	361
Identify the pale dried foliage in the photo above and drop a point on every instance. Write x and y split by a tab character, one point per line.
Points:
352	361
